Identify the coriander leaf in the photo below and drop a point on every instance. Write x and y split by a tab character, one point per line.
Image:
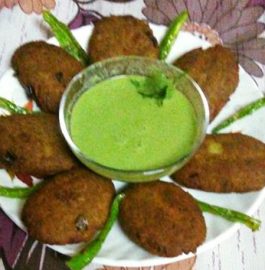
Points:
135	83
157	86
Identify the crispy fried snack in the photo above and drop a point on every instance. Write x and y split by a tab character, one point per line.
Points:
162	218
122	35
32	144
69	208
45	70
216	72
225	163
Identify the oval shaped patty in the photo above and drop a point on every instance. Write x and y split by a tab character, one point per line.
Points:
32	144
45	70
69	208
225	163
122	35
216	72
162	218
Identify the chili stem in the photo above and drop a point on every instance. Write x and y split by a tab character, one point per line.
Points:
65	38
231	215
12	107
19	193
171	34
245	111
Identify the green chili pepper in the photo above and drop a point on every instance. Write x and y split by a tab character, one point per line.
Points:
171	34
231	215
12	107
19	193
247	110
81	260
65	38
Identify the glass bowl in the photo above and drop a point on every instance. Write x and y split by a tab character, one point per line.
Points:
132	65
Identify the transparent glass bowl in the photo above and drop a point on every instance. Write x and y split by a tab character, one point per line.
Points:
132	66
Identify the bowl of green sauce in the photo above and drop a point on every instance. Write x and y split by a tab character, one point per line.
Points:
133	119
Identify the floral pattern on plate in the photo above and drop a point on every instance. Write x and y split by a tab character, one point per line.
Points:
234	24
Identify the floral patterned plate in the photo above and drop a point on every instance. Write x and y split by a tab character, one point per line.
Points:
118	250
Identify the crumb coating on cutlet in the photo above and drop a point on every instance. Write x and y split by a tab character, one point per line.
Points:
225	163
120	36
162	218
33	144
69	208
216	72
44	70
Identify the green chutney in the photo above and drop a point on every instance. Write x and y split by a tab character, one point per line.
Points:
116	126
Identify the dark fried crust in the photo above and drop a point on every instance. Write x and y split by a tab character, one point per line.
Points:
162	218
32	144
225	163
122	35
45	70
216	72
69	208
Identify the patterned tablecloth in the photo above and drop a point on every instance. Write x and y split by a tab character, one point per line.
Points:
237	24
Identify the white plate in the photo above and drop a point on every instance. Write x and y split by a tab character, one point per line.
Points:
118	250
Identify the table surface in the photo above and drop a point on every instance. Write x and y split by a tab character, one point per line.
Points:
245	250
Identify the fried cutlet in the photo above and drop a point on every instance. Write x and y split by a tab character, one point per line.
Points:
32	144
122	35
162	218
225	163
45	70
69	208
216	72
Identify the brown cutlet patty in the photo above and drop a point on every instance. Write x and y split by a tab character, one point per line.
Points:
216	72
69	208
162	218
122	35
225	163
45	70
32	144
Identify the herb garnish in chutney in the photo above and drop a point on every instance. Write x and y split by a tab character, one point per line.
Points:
116	126
157	86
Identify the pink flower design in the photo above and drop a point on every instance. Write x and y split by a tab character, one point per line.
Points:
8	3
29	6
11	240
84	16
257	3
232	23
